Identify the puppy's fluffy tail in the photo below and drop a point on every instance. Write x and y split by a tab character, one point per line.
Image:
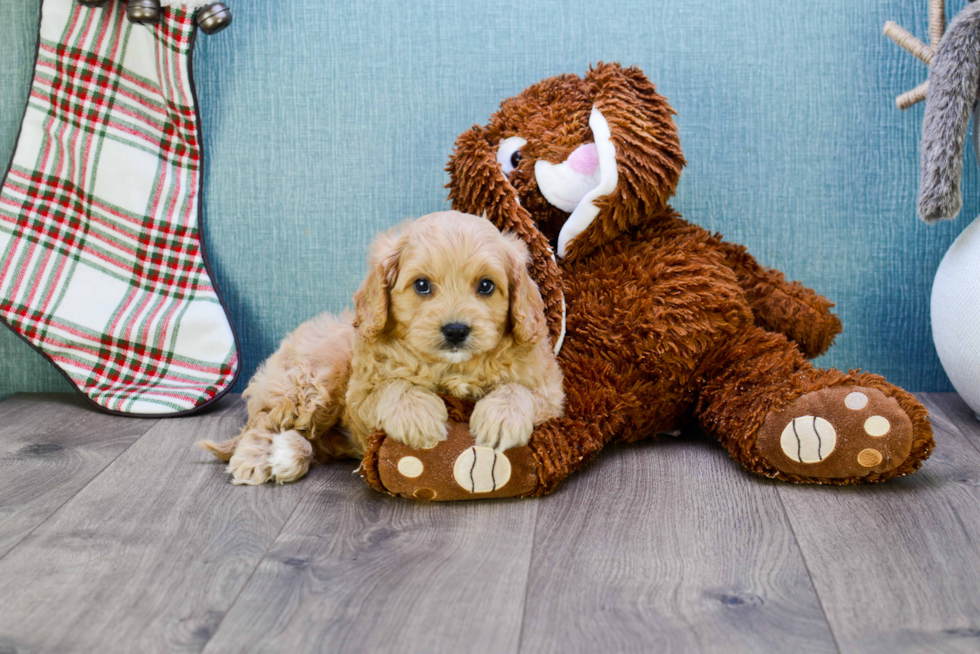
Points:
222	450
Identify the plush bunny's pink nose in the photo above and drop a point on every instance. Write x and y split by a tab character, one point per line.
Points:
584	160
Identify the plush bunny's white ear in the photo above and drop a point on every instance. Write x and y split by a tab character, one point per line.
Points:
954	78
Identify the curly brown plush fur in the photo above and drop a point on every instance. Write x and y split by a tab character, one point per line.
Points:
666	324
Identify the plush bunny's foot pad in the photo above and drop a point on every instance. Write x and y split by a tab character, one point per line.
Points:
455	469
837	433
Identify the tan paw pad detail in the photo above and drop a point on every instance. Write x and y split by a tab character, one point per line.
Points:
869	458
877	426
808	439
410	466
481	469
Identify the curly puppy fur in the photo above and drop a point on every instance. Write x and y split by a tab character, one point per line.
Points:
334	380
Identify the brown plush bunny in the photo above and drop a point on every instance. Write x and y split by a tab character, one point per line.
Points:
660	323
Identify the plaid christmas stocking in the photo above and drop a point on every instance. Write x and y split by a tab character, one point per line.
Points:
102	268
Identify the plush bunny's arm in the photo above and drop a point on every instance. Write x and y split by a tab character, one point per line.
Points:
789	308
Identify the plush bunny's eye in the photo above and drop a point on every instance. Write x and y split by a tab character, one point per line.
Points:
509	153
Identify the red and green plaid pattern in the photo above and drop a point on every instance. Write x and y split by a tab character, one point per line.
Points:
101	266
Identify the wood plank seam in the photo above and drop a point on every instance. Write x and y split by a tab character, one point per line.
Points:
80	488
679	566
527	575
258	563
934	400
974	428
162	548
806	564
892	565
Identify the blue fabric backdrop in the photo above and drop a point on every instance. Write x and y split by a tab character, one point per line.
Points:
325	122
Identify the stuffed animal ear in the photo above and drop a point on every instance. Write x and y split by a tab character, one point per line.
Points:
478	186
371	299
527	317
953	83
641	126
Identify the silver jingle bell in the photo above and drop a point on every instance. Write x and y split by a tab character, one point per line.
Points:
144	12
214	18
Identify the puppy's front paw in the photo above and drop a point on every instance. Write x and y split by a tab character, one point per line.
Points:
290	457
501	421
417	418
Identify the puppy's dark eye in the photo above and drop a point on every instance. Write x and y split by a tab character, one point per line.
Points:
422	286
515	159
485	287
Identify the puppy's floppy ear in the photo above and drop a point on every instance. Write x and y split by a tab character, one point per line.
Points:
371	299
526	313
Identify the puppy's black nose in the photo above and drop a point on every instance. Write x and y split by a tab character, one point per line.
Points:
455	332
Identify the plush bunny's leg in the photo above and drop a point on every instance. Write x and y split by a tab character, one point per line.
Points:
781	417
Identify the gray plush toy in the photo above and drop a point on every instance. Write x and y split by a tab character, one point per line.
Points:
951	95
954	76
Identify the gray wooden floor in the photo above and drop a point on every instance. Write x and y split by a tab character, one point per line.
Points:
116	535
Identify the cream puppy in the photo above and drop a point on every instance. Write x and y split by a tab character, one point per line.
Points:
448	307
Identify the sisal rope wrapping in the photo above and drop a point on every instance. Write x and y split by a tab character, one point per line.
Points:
937	22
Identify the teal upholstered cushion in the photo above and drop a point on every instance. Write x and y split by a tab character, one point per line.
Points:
325	122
